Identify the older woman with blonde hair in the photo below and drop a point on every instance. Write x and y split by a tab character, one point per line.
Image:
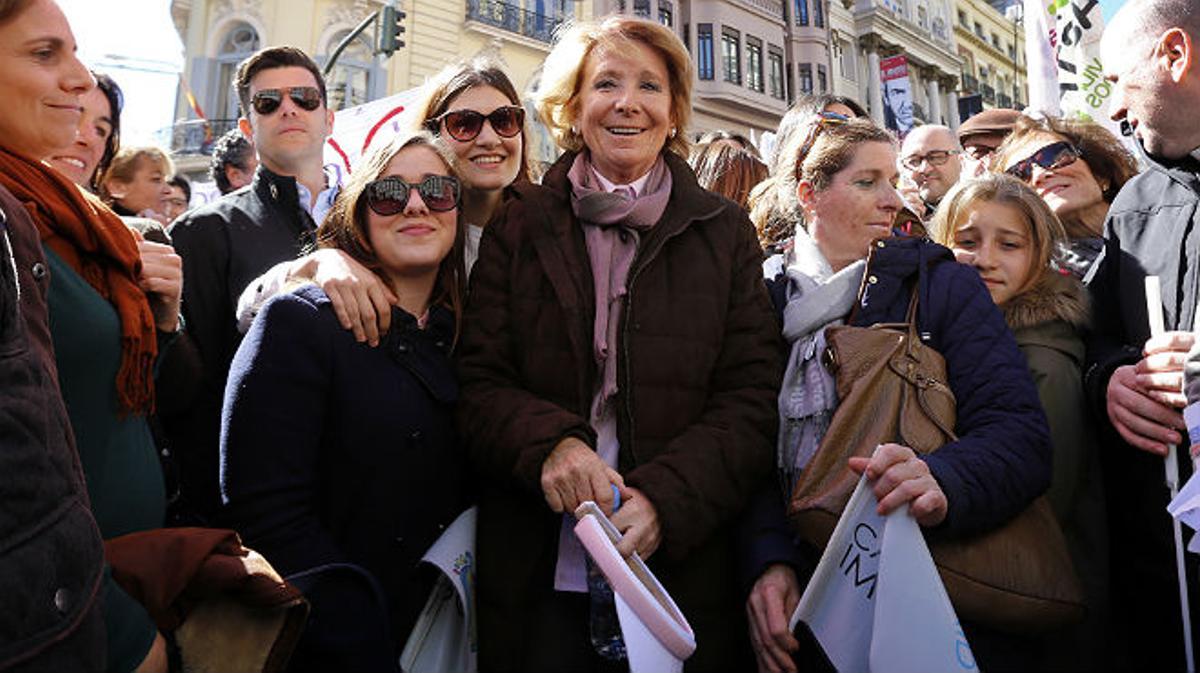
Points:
617	336
1077	167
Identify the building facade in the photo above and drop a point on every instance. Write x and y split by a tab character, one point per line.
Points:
992	48
864	32
219	34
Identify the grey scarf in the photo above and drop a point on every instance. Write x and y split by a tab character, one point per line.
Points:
816	298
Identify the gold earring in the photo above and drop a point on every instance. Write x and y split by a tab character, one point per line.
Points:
673	131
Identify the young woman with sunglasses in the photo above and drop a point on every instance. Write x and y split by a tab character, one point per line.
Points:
1077	167
845	171
340	462
474	109
999	226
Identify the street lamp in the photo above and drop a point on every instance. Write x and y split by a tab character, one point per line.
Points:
1015	12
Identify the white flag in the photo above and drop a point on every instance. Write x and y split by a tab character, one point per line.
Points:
1062	53
876	602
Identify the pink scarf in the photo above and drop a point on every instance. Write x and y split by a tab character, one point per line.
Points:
613	223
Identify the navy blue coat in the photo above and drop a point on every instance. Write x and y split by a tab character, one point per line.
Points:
340	464
1002	459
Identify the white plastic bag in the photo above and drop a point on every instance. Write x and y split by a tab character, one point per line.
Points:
443	638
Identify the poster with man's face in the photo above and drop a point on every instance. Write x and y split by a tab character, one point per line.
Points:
897	94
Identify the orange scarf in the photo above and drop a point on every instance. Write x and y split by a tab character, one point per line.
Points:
100	248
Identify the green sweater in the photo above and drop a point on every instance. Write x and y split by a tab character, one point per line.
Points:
120	462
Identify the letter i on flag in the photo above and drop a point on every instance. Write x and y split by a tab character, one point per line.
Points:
876	602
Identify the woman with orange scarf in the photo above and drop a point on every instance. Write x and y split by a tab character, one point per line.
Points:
113	300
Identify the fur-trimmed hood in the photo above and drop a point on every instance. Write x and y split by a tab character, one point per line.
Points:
1054	297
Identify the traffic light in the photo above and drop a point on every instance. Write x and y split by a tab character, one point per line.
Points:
391	29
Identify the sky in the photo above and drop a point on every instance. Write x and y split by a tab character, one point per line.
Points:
147	67
135	43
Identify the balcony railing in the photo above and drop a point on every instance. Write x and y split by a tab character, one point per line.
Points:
513	18
195	136
989	93
1003	100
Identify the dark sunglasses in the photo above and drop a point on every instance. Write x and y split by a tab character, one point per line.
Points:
1051	157
307	98
819	122
388	196
465	125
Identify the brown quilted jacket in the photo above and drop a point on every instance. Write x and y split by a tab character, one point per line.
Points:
699	366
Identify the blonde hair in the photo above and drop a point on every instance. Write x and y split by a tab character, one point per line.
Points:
1046	233
125	165
562	72
345	227
827	148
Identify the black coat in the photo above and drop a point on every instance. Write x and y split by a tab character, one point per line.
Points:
225	245
51	558
341	465
1153	229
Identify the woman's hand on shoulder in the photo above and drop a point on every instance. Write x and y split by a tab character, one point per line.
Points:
574	473
771	603
162	281
900	477
361	300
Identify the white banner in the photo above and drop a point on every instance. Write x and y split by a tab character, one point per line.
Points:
876	602
357	129
1068	32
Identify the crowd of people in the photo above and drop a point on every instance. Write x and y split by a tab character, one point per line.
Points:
336	371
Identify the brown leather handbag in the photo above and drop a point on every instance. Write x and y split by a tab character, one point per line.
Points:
893	388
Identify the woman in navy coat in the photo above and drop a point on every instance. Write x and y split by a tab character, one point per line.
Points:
845	175
339	461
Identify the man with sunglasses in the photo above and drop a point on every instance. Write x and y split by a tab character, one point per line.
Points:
981	135
230	242
929	167
1149	52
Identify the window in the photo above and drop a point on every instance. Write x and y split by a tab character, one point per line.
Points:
822	79
775	68
801	12
819	13
995	40
754	64
1012	52
806	78
962	20
666	16
731	55
350	82
922	17
240	42
704	50
641	8
846	62
978	29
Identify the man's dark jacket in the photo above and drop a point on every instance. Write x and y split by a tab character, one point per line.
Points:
699	359
225	245
51	558
1153	229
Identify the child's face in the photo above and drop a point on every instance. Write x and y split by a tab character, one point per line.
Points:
994	238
